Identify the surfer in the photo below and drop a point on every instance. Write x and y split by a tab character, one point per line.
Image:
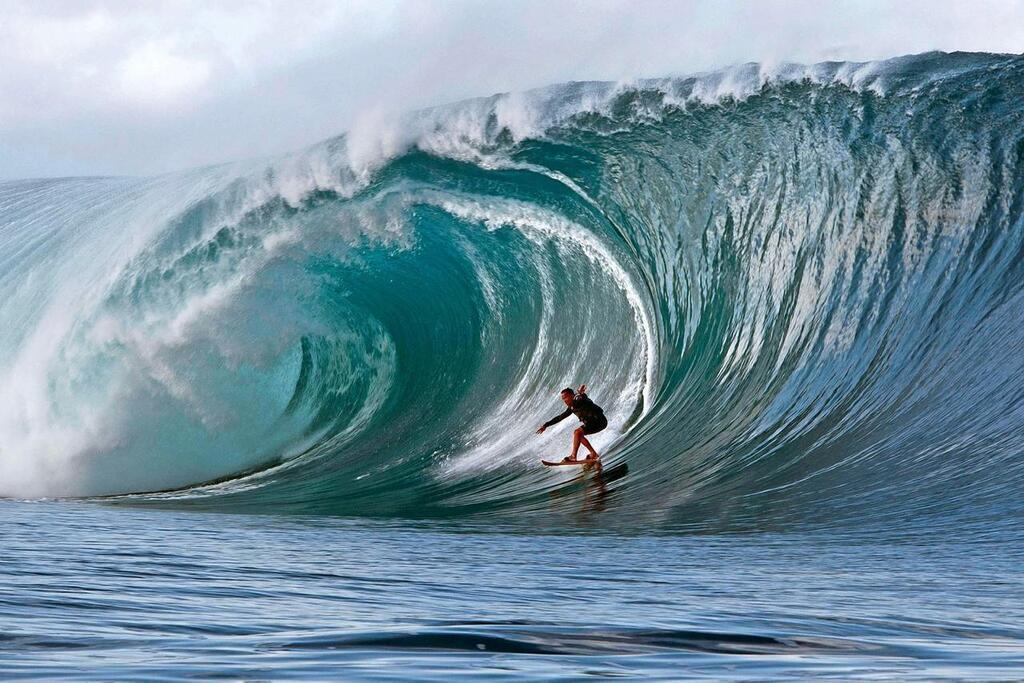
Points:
589	413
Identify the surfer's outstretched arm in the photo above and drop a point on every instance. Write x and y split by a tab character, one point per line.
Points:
554	420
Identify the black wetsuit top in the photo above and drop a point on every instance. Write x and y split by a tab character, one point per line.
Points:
589	413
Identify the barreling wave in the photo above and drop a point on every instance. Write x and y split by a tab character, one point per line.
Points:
797	293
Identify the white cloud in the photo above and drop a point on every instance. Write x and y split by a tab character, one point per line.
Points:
99	86
153	75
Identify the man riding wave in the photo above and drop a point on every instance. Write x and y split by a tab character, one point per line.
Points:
588	412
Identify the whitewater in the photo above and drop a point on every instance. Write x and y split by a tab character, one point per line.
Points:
796	290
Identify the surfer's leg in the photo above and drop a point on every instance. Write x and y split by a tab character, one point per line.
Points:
585	442
577	439
591	427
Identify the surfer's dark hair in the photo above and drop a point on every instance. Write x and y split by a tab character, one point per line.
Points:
568	390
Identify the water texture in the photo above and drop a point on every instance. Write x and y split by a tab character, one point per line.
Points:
795	290
101	594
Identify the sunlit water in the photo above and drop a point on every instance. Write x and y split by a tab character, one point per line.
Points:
99	593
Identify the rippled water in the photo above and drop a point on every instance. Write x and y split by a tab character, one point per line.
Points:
278	416
93	592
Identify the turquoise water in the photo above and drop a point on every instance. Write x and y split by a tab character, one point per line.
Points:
277	417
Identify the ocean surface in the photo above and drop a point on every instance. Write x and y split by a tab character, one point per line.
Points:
276	418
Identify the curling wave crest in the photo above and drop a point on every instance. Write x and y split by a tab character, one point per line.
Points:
795	291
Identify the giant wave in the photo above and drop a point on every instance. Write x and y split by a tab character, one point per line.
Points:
796	290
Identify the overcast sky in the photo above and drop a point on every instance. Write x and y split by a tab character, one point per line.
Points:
104	87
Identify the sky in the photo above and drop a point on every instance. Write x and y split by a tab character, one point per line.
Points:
99	87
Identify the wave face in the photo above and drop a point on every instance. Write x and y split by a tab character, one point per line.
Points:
796	293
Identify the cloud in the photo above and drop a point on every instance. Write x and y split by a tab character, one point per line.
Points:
115	87
156	74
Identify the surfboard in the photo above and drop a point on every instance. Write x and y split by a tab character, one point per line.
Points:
560	463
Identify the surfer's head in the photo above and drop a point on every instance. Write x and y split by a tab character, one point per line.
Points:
567	395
